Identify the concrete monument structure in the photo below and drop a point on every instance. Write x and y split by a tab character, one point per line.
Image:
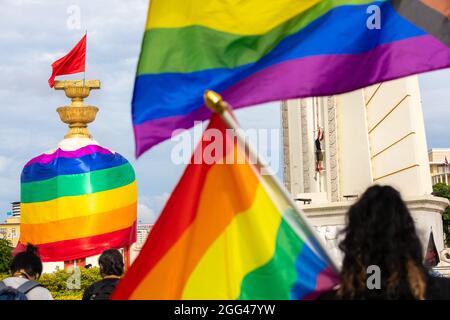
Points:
337	146
86	184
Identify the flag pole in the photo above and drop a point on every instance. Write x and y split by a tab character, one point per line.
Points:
85	63
445	171
214	101
445	174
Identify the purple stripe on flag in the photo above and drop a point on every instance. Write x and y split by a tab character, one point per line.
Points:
89	149
326	279
312	76
162	129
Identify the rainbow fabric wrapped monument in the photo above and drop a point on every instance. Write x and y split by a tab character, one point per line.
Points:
80	198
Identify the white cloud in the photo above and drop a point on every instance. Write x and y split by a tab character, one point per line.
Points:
145	214
155	203
4	163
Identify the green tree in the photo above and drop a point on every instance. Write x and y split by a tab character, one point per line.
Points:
5	255
443	190
56	283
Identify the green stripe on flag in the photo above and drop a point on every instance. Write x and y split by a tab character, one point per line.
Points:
196	48
77	184
274	280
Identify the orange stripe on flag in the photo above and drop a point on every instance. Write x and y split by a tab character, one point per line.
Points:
71	228
442	6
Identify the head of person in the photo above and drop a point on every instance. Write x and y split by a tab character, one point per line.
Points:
380	232
111	263
27	263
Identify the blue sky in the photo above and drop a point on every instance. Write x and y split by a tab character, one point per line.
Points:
34	33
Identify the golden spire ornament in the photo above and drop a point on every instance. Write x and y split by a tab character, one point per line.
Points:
77	115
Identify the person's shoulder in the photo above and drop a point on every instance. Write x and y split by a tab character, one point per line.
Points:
100	290
438	288
97	286
39	293
103	282
14	282
111	280
89	290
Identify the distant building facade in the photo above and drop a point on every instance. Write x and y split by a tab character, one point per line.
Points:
142	233
440	171
10	228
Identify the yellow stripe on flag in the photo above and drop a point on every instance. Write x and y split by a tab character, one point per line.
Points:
247	243
78	206
243	17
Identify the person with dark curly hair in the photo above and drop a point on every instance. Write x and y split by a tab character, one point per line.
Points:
111	269
380	232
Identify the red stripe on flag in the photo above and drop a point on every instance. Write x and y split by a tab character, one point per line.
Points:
83	247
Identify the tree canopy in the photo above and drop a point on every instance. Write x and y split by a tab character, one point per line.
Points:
443	190
5	255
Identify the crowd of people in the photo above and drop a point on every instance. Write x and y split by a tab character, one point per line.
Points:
380	232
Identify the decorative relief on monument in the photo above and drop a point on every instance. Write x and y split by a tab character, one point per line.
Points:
286	149
331	235
305	149
332	140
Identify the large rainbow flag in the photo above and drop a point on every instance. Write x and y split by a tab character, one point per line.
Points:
76	204
226	233
254	51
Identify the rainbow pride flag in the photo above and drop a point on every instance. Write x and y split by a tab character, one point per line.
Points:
76	204
254	51
225	233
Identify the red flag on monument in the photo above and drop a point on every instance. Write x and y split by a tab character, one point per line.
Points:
73	62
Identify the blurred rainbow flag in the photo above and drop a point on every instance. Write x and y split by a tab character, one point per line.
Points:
75	204
254	51
227	233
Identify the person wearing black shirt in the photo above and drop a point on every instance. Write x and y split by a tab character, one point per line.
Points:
111	269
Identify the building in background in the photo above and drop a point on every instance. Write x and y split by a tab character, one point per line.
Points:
15	209
142	232
10	228
439	168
